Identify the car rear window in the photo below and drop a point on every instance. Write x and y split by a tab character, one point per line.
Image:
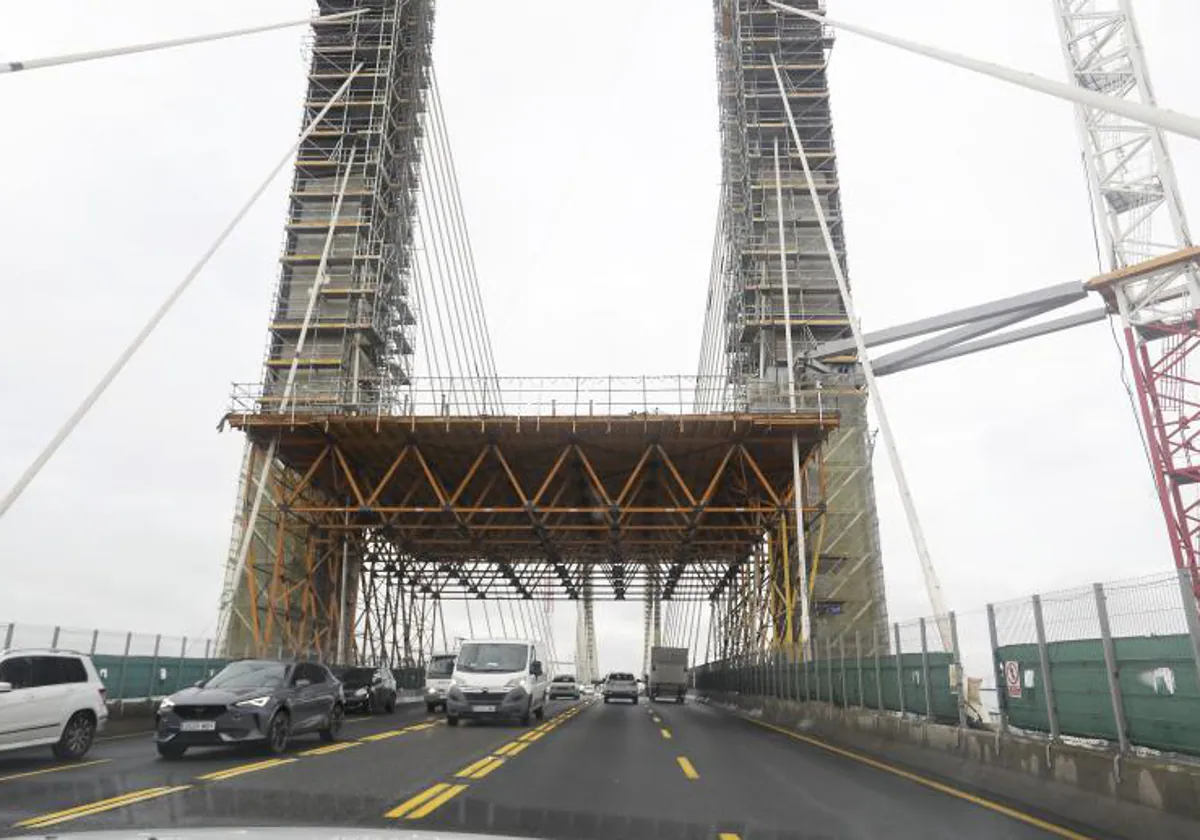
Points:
564	679
621	677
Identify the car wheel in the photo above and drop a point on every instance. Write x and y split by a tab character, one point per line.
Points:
278	732
336	716
431	707
451	720
391	704
526	715
541	712
171	751
369	706
605	699
77	737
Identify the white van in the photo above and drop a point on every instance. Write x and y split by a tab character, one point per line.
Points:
498	679
438	672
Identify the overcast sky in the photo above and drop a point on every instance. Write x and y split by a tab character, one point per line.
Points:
587	150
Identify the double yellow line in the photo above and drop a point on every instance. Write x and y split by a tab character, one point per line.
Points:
75	813
429	800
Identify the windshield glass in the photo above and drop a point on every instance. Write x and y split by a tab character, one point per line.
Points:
440	667
357	676
249	674
564	679
496	657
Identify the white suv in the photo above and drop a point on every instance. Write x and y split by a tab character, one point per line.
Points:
50	697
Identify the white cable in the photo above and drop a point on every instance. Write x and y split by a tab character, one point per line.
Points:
75	58
1173	121
117	366
932	585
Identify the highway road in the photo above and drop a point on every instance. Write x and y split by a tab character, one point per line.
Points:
589	771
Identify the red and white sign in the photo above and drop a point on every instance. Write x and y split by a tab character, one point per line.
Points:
1012	679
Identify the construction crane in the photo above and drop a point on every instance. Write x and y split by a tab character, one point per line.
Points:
1141	222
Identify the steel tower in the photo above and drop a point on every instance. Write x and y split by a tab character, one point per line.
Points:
745	326
341	323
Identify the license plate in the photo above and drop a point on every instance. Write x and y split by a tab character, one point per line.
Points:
485	708
198	726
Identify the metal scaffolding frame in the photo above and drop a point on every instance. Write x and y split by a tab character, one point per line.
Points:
748	321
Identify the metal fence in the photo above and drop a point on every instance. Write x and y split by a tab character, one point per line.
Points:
905	672
564	396
136	666
1117	663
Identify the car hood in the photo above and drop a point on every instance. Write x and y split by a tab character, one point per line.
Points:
486	679
272	833
217	696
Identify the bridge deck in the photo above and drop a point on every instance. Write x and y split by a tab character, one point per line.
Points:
508	506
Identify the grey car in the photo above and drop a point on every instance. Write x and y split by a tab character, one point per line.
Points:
252	701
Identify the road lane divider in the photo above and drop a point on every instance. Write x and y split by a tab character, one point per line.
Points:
433	797
88	809
56	769
666	733
687	768
425	802
1020	816
330	748
242	769
728	835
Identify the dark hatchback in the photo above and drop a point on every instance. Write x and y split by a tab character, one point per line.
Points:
252	701
369	690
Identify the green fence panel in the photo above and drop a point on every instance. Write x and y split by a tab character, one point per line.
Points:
1029	710
1162	698
1156	675
133	677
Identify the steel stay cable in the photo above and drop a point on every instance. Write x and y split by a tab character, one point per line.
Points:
454	281
156	318
77	58
456	193
432	295
449	240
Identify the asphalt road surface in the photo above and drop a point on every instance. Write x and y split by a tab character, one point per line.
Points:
589	771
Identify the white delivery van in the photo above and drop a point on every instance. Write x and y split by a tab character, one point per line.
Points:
497	679
438	671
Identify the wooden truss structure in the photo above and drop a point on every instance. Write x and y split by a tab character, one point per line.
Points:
407	510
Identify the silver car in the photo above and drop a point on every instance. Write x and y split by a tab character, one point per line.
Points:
620	686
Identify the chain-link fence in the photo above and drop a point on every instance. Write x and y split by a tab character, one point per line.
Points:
137	666
1116	663
909	672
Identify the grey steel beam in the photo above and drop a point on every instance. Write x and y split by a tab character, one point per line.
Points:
885	366
1031	303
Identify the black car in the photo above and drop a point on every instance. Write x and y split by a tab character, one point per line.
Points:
252	701
368	689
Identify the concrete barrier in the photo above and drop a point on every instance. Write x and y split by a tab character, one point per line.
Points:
1136	796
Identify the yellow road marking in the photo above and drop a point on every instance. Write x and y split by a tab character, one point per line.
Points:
687	768
507	748
379	736
728	835
517	749
666	733
330	748
1020	816
98	807
492	764
409	804
437	802
470	769
229	773
57	769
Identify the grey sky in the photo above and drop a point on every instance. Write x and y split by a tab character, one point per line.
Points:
587	150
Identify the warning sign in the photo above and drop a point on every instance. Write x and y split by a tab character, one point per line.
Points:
1012	679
